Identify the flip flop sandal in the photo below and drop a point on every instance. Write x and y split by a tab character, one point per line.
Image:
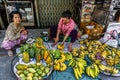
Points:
53	44
10	53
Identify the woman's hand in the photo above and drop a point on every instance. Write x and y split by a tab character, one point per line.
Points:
22	29
62	43
56	39
24	32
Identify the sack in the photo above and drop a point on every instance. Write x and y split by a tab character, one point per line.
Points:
111	35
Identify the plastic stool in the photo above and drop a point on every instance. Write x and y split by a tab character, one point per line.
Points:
67	40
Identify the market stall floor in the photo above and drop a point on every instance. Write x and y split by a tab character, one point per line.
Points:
5	61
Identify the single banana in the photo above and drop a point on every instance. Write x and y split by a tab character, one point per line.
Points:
88	70
76	74
92	72
96	69
78	71
71	62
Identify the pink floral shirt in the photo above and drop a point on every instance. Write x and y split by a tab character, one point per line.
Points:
66	28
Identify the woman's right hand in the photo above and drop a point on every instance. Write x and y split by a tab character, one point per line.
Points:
56	39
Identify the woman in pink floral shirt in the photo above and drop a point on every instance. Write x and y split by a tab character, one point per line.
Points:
66	26
15	33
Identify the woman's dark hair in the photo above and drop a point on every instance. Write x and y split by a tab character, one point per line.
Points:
67	13
11	15
117	15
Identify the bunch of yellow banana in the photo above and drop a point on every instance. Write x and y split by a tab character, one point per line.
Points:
108	69
83	54
62	59
75	52
60	66
39	40
102	67
60	46
82	47
92	56
92	70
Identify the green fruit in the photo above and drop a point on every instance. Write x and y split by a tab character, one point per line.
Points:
29	78
40	78
19	72
23	78
32	70
35	78
36	74
33	66
47	70
39	72
42	67
43	74
22	75
25	72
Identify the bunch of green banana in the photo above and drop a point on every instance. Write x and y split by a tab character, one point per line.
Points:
68	56
72	62
78	65
79	69
92	70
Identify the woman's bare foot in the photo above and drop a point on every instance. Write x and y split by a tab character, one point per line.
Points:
10	53
70	47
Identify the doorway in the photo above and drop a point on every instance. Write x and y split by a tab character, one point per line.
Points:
49	11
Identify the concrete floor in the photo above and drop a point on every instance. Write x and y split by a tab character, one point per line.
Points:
5	61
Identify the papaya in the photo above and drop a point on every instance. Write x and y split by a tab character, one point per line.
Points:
46	54
38	56
42	53
26	57
48	60
32	53
21	67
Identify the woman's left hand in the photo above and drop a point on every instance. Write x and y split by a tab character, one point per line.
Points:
22	29
62	43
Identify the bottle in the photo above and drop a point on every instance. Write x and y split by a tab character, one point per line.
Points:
119	39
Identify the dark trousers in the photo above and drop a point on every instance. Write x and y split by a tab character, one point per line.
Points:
53	33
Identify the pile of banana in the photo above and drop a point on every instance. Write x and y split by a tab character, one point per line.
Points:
92	70
59	63
108	69
78	65
80	52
